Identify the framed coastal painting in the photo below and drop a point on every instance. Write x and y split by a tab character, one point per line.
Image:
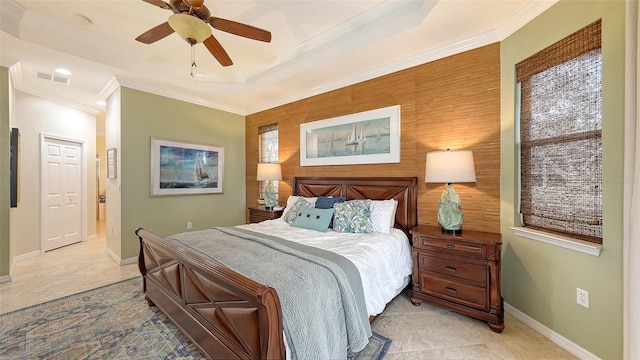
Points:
369	137
180	168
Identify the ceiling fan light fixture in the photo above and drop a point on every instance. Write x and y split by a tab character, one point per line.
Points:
190	28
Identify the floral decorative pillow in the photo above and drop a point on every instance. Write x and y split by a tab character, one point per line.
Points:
353	216
291	200
292	213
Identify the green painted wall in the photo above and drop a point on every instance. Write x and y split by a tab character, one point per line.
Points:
145	115
5	199
539	279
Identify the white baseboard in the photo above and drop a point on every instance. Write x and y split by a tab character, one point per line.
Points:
131	260
563	342
91	237
27	255
113	255
7	278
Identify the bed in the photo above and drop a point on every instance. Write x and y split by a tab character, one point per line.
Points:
228	315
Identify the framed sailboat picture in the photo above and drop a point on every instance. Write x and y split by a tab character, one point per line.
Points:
179	168
369	137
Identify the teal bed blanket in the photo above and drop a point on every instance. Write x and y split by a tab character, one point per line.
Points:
323	307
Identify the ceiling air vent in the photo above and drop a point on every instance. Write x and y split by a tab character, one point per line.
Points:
54	78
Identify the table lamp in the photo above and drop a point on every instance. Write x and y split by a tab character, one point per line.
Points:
269	172
448	167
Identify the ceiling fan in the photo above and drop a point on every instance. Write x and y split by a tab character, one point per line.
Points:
191	20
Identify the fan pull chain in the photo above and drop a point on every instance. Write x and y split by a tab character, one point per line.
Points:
193	60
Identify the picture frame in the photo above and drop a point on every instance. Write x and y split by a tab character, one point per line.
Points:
185	168
112	163
368	137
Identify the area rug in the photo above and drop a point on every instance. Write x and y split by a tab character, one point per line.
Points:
111	322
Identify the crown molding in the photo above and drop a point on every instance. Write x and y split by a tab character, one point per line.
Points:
11	14
504	30
15	71
7	61
16	74
458	47
383	20
289	64
66	102
178	94
111	86
529	12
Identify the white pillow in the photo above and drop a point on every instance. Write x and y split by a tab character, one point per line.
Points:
383	215
292	200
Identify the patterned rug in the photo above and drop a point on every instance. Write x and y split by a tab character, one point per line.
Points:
111	322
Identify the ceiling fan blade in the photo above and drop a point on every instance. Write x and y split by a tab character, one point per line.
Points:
215	48
158	3
196	4
240	29
154	34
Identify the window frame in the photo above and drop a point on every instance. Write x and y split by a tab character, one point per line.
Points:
262	158
538	234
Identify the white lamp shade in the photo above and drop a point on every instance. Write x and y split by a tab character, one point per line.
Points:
450	166
190	27
269	171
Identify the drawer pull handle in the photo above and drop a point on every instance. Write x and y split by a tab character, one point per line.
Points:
450	290
450	269
451	246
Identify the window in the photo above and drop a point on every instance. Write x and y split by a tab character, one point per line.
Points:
268	150
561	137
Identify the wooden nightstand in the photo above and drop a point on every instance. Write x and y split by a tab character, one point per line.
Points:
259	213
460	272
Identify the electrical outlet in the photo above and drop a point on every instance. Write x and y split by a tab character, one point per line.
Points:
189	224
583	298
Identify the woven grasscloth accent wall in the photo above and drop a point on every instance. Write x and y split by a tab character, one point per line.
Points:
449	103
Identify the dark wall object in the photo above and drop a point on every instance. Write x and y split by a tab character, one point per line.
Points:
14	166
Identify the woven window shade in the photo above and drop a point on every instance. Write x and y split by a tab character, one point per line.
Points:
266	128
268	148
268	138
561	137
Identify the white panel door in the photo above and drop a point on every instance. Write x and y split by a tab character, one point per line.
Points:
62	193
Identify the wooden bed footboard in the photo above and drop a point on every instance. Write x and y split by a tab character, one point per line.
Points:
225	314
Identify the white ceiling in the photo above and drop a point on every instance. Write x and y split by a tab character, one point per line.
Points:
317	46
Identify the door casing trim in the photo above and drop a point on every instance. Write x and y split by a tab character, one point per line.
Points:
83	185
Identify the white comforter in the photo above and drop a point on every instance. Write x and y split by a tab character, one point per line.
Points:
384	260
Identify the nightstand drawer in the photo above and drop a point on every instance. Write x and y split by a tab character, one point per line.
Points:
472	296
454	247
476	274
258	214
259	217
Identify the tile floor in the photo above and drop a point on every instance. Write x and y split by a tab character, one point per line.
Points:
424	332
63	271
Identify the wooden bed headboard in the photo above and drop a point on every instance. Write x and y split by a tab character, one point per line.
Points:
402	189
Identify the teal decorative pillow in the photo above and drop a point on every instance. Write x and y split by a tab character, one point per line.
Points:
314	219
353	216
292	213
